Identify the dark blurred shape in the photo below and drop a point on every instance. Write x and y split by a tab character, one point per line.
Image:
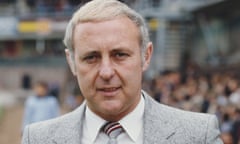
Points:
54	90
156	3
205	106
7	1
236	128
31	3
26	81
77	2
225	9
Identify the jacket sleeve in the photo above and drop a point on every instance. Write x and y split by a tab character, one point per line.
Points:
25	137
213	133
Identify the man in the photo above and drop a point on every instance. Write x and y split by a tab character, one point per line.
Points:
108	49
40	106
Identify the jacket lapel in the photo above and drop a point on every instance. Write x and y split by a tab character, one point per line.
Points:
159	127
69	130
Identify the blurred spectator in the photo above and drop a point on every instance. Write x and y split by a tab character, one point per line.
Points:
226	126
54	90
40	106
236	128
208	92
74	100
227	139
45	7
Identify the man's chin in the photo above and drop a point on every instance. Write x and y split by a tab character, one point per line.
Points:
112	109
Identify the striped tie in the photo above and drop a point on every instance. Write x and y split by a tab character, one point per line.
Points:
113	130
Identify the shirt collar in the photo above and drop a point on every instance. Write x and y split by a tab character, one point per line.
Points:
132	123
93	124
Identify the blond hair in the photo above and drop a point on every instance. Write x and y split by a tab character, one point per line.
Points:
103	10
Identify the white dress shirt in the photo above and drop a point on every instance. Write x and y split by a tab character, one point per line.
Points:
132	124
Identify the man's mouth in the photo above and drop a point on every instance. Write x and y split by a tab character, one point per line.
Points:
110	89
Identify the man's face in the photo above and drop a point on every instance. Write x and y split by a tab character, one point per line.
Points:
40	90
108	66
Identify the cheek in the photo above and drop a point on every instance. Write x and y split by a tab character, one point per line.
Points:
131	73
86	78
82	71
135	67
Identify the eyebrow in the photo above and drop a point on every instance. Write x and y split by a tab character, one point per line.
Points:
121	50
118	49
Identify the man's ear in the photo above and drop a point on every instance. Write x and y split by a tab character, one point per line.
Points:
147	56
70	60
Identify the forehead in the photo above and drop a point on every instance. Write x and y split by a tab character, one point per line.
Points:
118	28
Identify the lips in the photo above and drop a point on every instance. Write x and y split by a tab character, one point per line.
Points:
109	92
110	89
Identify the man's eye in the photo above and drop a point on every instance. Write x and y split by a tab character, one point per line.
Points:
91	58
121	55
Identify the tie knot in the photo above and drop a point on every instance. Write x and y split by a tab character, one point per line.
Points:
112	129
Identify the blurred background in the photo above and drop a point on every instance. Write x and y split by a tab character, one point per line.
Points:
195	64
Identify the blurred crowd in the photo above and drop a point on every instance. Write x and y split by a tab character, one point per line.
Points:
212	92
61	5
50	7
46	6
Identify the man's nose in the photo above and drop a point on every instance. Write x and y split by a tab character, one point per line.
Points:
106	71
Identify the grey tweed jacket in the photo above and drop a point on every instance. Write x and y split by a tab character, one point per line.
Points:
162	125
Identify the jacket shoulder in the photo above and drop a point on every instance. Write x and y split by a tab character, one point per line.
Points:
192	126
169	112
45	131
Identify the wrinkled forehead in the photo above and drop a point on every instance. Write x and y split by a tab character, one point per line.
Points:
119	26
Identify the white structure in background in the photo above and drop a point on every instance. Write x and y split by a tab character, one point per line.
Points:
7	99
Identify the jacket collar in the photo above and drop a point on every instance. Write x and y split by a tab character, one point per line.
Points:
159	126
71	125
